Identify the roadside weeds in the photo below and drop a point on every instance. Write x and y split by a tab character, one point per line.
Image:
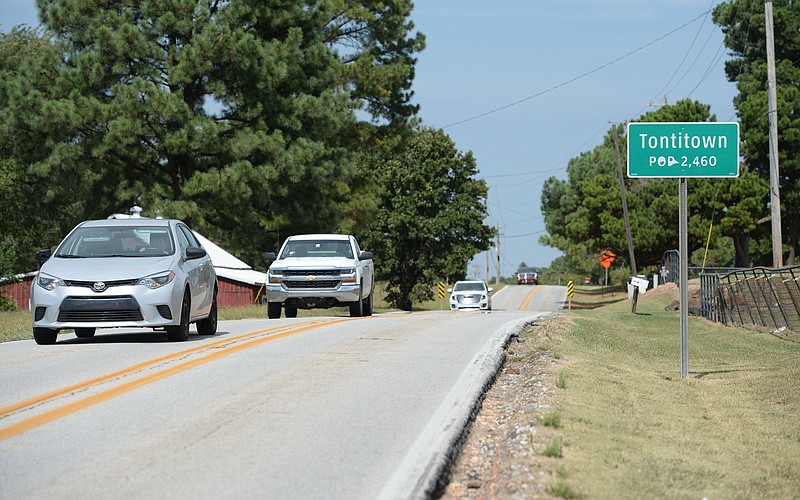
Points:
590	404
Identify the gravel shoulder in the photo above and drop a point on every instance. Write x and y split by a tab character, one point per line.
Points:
512	448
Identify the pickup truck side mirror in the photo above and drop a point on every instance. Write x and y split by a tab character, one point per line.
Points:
365	255
271	256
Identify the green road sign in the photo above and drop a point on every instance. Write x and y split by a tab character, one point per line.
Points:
675	149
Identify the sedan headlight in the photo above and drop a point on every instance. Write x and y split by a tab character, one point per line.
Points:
157	281
48	282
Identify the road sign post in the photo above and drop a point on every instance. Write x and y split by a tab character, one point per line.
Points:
570	291
680	150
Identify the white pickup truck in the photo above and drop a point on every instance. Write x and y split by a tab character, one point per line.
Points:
320	271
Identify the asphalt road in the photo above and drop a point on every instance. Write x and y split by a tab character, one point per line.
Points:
324	407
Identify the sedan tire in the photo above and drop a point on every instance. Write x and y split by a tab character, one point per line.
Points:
180	332
208	326
84	333
45	336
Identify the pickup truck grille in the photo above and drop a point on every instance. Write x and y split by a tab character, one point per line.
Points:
313	284
311	272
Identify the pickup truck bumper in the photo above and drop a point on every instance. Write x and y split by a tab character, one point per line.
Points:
314	298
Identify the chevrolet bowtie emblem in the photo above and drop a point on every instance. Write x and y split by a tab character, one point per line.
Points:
311	278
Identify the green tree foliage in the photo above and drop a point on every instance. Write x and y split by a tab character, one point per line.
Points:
237	116
743	22
583	214
430	220
37	207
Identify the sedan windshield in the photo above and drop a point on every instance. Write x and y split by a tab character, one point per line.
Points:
116	241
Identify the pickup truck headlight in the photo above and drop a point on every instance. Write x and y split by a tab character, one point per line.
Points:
275	276
348	275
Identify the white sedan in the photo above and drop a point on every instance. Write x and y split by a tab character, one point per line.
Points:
470	295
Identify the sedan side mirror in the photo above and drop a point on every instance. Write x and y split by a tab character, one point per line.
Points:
43	255
195	253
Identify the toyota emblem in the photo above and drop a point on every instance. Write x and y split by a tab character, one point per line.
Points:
99	286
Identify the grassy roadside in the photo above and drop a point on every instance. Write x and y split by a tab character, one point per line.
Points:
631	428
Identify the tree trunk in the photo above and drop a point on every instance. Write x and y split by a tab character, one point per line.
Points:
792	232
741	245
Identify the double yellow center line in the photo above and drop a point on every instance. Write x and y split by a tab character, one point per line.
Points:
216	350
527	300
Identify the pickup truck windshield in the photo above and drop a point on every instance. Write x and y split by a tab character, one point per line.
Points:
317	248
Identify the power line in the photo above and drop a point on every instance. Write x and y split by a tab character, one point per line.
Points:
685	56
572	80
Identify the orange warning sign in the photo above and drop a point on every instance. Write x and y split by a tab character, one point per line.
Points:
606	258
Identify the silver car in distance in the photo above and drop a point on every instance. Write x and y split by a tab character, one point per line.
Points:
125	273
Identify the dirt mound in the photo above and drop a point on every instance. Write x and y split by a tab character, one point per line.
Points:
669	289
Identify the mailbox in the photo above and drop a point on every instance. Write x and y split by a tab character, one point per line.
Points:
640	282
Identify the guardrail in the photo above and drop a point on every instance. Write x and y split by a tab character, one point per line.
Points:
757	296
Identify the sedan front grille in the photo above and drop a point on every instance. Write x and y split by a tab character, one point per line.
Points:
93	309
109	284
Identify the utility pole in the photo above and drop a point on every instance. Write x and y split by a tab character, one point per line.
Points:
487	266
624	203
497	271
486	209
774	179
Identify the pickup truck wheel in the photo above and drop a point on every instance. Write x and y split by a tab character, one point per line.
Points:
367	305
291	312
273	310
357	308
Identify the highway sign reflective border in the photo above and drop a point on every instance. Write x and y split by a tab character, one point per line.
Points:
683	149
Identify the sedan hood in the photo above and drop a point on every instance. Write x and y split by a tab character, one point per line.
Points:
106	268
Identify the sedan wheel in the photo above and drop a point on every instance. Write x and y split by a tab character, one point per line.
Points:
180	332
84	333
45	336
208	326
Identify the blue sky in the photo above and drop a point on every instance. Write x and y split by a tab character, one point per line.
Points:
527	84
